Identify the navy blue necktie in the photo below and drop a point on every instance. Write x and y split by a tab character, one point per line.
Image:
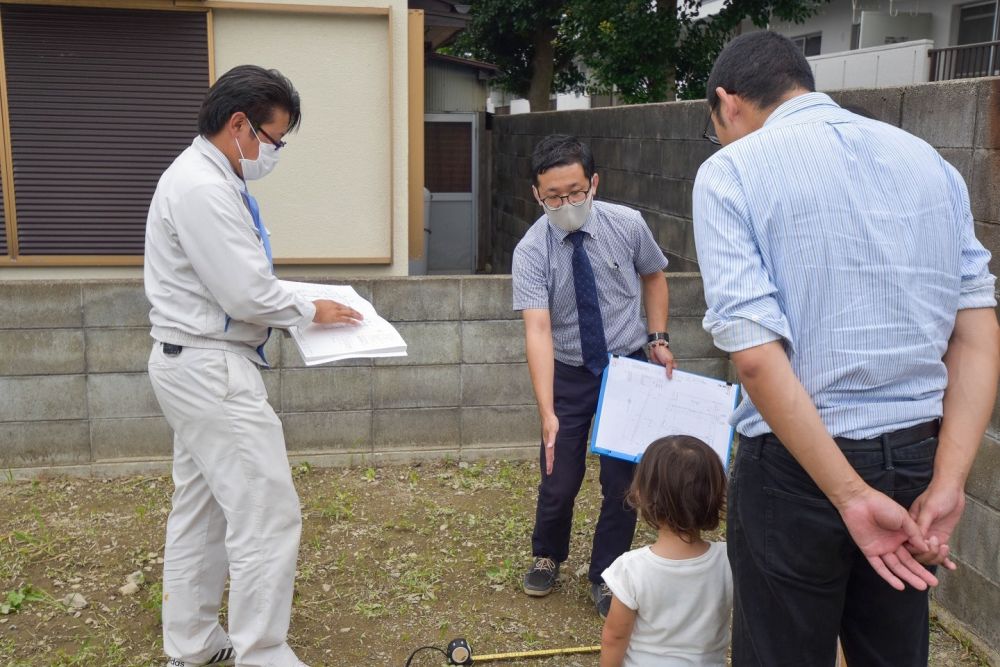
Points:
592	342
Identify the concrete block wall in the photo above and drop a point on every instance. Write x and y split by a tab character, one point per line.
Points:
75	398
648	156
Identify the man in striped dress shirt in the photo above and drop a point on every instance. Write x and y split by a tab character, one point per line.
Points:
580	275
842	273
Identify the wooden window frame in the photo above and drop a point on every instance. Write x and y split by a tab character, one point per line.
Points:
14	259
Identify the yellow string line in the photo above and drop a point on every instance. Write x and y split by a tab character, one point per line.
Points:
535	654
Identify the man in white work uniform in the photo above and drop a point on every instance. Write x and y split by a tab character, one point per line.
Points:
214	297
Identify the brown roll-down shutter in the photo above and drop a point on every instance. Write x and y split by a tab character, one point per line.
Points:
101	101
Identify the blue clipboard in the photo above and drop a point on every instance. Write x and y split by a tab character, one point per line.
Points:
737	395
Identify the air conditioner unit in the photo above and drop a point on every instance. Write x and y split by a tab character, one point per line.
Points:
879	29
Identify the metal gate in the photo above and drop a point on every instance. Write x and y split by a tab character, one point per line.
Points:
451	173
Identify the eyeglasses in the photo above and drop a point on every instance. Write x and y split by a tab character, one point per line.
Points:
575	198
709	132
278	145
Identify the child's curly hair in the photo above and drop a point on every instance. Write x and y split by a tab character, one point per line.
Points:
679	485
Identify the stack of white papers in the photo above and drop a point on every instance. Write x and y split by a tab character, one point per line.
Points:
323	343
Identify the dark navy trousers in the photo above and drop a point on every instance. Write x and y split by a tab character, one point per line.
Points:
575	394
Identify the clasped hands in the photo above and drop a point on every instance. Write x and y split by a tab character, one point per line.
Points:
899	544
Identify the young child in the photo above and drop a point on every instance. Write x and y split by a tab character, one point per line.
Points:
672	600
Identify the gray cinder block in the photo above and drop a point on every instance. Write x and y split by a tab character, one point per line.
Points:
493	342
41	351
496	384
348	431
417	386
40	305
43	397
130	438
326	389
121	395
115	304
44	443
418	299
417	428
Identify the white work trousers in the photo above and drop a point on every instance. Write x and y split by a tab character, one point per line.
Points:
234	510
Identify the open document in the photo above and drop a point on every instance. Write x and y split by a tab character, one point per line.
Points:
638	405
323	343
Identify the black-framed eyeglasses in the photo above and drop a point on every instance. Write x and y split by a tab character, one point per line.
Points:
575	198
278	145
709	132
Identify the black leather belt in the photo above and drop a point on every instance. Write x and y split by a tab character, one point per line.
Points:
906	436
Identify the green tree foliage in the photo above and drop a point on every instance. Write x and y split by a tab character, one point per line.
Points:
650	50
645	50
526	40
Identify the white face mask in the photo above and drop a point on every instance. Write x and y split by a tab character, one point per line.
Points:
569	217
267	159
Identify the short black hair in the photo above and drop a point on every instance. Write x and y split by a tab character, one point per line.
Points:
560	150
760	67
680	486
255	91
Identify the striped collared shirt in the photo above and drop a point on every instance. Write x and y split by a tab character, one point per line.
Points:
621	249
852	242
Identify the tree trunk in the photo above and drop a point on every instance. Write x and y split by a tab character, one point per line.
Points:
542	69
669	7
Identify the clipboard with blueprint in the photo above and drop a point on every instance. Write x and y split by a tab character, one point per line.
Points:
638	404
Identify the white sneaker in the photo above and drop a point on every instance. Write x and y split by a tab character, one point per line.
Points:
224	657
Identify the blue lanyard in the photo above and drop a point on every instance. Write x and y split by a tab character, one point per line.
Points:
251	203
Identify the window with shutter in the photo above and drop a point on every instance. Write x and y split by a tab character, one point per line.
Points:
100	103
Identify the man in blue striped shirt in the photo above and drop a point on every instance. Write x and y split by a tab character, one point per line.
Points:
580	275
842	273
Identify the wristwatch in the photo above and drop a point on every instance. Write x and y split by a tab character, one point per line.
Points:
658	338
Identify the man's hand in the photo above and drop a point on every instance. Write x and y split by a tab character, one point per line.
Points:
550	427
883	531
331	312
661	354
937	512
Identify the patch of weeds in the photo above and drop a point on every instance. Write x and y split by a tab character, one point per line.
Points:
339	508
141	511
419	584
15	600
154	599
370	610
42	542
87	654
369	474
531	638
302	469
503	573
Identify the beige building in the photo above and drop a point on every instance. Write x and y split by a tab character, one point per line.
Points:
98	96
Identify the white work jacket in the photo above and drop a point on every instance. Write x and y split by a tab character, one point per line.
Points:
206	274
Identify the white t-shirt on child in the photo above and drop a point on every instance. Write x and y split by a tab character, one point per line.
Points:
683	606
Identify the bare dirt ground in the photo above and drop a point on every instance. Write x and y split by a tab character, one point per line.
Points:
391	559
